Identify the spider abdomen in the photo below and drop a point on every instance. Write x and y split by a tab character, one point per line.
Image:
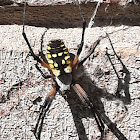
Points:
58	58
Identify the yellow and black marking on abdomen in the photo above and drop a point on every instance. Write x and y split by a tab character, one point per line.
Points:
58	58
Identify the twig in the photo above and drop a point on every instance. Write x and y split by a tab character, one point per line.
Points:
91	22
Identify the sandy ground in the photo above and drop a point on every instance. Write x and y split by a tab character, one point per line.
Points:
21	84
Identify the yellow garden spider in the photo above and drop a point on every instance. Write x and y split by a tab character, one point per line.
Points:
62	66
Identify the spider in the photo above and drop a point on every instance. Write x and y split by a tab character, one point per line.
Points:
62	66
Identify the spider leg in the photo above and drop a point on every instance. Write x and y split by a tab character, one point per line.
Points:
121	85
42	37
25	37
43	75
99	117
84	98
45	64
43	109
94	46
41	53
82	40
